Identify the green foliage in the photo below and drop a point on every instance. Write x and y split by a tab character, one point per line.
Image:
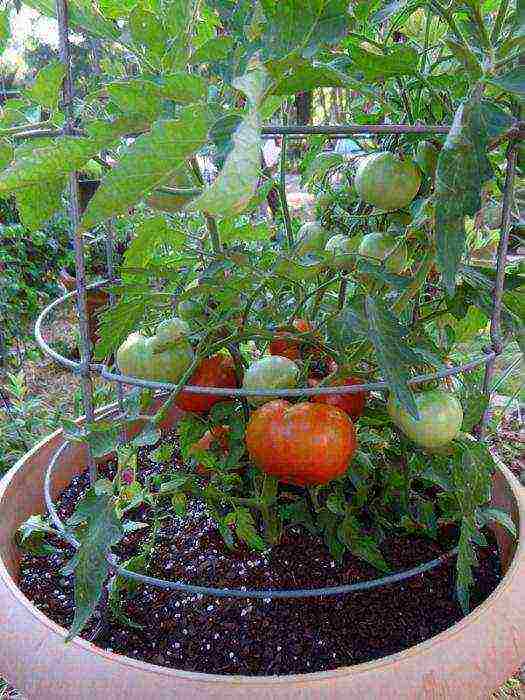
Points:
141	169
45	91
394	357
100	529
463	168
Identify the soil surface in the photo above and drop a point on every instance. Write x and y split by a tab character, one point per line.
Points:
255	637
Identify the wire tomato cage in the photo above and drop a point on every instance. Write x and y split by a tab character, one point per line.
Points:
86	368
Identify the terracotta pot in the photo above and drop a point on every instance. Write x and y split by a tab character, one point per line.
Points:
466	662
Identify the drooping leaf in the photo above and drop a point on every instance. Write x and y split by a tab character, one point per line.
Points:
394	357
45	90
149	162
496	119
463	168
489	514
102	530
465	562
361	545
36	204
236	183
306	76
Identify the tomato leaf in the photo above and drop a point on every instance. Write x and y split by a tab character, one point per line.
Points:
82	15
148	236
36	204
402	60
215	49
463	168
150	161
394	357
63	155
45	90
489	514
102	530
301	25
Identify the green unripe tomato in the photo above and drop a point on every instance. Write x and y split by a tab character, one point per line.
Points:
338	248
386	181
163	357
378	246
270	372
311	238
427	157
440	419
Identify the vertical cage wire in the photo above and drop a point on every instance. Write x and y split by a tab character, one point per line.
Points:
78	243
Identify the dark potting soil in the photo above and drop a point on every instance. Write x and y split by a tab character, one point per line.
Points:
256	637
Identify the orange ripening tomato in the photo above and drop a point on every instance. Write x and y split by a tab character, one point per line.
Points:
217	370
352	404
303	444
284	346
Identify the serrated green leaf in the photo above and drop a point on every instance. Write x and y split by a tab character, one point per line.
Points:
246	531
147	31
401	60
229	231
463	168
36	204
136	97
394	357
149	162
102	530
46	88
184	87
466	57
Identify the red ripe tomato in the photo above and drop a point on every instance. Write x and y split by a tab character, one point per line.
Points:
217	370
352	404
302	443
287	347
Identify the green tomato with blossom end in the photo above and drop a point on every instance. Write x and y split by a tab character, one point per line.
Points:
163	357
440	419
386	181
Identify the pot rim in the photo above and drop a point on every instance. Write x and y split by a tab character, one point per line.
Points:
518	494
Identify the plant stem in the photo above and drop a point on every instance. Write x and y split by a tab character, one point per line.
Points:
282	192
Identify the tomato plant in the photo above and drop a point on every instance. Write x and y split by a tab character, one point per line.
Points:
381	284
